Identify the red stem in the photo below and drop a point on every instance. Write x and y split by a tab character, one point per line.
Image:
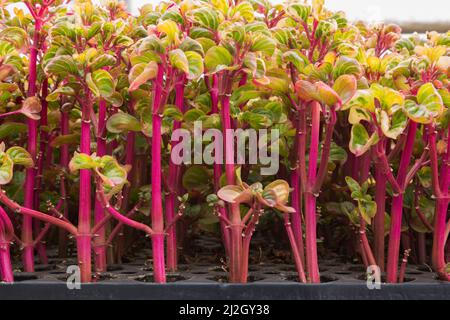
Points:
442	202
157	211
397	207
99	213
27	224
84	212
310	198
64	163
171	197
379	220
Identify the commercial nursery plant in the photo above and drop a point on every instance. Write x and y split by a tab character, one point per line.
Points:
93	99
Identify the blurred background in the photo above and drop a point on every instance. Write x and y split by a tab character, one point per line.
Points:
412	15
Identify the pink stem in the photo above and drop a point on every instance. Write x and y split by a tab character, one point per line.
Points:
64	163
157	211
84	212
442	202
99	213
295	250
217	168
39	245
379	220
27	225
397	207
310	198
171	197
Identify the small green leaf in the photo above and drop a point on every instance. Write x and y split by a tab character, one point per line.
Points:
179	60
65	90
68	139
360	141
101	61
61	66
352	184
101	83
195	61
113	175
217	58
429	106
141	73
345	86
122	122
197	179
10	128
6	169
20	156
206	17
81	161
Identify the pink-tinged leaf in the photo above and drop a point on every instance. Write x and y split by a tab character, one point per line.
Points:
31	107
230	193
141	73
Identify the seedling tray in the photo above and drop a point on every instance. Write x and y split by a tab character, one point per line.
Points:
208	282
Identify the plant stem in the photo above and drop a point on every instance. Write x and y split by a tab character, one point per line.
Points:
235	217
30	176
296	218
217	167
379	230
397	207
295	250
441	193
99	213
157	211
6	235
84	213
171	197
310	198
64	163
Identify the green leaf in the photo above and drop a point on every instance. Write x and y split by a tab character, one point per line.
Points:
345	86
20	156
178	60
360	142
10	128
429	107
122	122
61	66
68	139
368	210
65	90
81	161
217	58
206	17
296	58
15	35
393	126
6	169
299	11
101	61
245	10
197	179
195	62
101	83
170	29
346	65
352	184
113	175
263	44
172	112
141	73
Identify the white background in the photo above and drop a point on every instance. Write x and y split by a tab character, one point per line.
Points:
375	10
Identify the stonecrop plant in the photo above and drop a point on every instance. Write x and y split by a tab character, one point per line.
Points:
97	104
